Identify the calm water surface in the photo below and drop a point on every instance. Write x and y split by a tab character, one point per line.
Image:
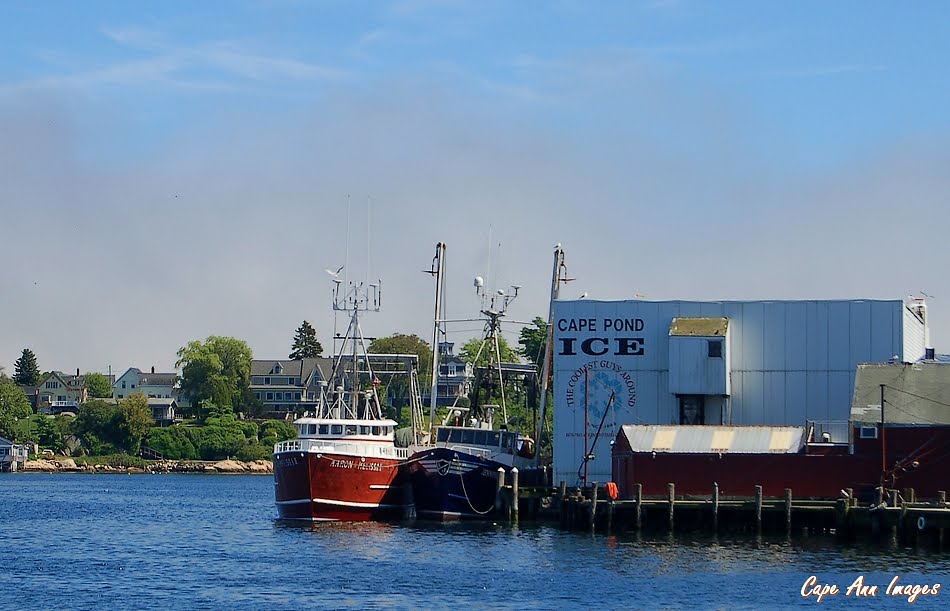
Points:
77	541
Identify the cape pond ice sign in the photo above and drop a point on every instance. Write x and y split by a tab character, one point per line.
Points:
596	358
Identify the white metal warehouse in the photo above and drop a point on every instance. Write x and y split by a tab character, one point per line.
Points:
720	362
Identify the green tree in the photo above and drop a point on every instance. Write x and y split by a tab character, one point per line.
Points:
26	370
98	385
487	389
218	370
172	442
47	434
532	341
276	430
13	406
96	426
305	345
133	422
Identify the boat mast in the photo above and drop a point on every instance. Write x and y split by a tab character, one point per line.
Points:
495	309
358	298
558	275
438	262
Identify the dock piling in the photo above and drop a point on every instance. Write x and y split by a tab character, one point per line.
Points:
593	505
758	508
499	489
671	498
638	497
715	507
514	493
788	510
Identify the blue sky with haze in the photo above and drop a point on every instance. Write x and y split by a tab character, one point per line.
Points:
171	170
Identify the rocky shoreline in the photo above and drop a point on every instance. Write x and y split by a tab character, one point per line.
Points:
68	465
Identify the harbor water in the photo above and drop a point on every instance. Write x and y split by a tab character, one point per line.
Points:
71	541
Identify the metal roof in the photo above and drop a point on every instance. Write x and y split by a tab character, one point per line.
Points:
714	439
914	393
158	379
162	401
699	327
302	368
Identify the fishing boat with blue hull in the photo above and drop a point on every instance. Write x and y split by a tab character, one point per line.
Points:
457	477
454	473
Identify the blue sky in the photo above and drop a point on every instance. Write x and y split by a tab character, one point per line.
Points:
180	169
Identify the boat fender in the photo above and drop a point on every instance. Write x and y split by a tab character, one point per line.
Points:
921	523
612	490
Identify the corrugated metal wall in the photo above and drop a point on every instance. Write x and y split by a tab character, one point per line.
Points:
693	372
790	361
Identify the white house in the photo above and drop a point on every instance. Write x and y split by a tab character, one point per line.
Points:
151	384
59	392
12	456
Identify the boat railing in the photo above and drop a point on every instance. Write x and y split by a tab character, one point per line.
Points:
473	450
291	445
828	431
318	445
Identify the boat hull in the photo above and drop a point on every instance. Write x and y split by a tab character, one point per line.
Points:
314	486
450	484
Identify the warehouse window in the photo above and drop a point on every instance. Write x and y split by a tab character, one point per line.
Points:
868	432
715	348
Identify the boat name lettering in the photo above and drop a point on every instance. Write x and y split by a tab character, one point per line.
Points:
337	463
283	463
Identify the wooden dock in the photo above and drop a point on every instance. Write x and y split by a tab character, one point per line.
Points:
893	513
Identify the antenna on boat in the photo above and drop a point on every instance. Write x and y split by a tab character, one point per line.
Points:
558	276
494	305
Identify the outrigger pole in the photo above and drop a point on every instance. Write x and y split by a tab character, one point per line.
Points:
436	270
558	275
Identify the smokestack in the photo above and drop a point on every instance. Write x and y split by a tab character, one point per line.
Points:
153	369
77	372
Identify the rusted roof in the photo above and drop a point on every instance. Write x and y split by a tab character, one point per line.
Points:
699	327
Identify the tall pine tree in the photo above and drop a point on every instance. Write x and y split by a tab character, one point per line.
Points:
305	345
26	372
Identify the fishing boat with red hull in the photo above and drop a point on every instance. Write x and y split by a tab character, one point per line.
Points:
346	469
343	463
